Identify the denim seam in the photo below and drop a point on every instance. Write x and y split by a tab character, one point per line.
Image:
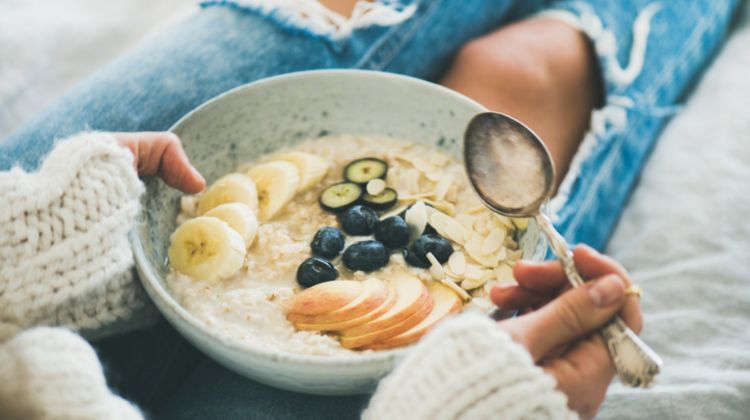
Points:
605	170
383	53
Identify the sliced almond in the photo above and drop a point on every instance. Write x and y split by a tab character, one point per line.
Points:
501	254
473	272
416	219
471	284
408	182
414	197
476	209
521	222
457	263
434	176
489	285
515	255
436	269
474	248
505	221
493	241
423	165
504	273
443	206
452	194
510	242
467	220
456	288
391	178
395	212
448	227
439	159
441	189
375	186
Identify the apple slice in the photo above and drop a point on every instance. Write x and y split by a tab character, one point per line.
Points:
360	341
410	296
374	294
387	304
446	302
324	297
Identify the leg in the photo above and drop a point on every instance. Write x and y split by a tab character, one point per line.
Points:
541	72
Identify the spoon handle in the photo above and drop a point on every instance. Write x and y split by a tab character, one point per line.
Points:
637	364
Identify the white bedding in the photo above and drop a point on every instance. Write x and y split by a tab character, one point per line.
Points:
685	235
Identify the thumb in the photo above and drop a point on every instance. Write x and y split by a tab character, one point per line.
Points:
576	313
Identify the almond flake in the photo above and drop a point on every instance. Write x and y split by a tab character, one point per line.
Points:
521	222
504	221
456	288
395	212
409	181
443	206
438	159
416	219
474	248
415	197
515	255
480	305
504	273
448	227
422	165
452	194
493	241
442	187
471	284
457	262
510	242
436	269
466	219
502	254
476	209
473	272
375	186
433	176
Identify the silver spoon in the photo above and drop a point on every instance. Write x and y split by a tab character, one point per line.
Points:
512	171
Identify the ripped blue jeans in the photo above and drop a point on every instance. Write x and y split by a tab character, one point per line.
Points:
650	53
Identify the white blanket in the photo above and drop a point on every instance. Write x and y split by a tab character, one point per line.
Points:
685	235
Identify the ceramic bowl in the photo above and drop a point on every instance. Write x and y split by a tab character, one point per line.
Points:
258	118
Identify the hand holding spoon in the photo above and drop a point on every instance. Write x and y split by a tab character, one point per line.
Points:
512	171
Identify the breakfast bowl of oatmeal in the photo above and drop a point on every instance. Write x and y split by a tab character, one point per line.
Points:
337	228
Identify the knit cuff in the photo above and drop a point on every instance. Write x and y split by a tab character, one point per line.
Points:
66	259
469	368
51	373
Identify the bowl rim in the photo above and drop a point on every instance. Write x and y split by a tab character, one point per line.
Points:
164	300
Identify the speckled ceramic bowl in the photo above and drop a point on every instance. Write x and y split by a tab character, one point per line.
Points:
261	117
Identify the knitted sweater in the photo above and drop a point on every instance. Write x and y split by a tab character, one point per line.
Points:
66	261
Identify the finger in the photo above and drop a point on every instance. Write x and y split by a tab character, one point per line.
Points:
574	314
514	296
175	168
583	373
547	276
592	264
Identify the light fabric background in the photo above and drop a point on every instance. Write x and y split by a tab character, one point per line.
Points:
685	235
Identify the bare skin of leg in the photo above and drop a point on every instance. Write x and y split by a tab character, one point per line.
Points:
342	7
539	71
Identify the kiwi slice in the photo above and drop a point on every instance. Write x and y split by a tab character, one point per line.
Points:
386	199
339	197
361	171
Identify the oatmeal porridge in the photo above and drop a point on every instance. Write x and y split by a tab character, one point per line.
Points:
339	245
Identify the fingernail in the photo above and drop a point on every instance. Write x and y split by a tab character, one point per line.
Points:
607	290
507	285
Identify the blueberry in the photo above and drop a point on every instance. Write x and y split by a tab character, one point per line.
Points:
439	247
412	259
315	270
393	232
359	220
327	242
366	256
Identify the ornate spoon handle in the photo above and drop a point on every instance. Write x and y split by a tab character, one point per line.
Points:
637	364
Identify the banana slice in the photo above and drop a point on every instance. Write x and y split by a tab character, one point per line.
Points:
277	183
232	188
312	169
206	248
239	217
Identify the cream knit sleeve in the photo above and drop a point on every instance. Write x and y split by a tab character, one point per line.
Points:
468	368
64	254
51	373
